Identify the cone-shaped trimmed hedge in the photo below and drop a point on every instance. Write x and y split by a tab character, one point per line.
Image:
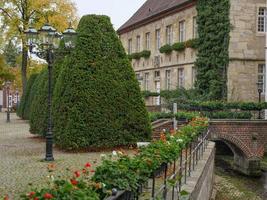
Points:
97	99
39	107
25	96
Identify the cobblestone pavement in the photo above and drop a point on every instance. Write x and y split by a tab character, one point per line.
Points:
21	157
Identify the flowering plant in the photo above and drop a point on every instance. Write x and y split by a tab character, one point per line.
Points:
78	187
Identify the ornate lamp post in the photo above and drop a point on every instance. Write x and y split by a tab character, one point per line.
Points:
260	90
43	43
17	98
7	85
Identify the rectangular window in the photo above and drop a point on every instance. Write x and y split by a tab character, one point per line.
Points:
146	81
147	41
181	78
262	20
138	43
168	79
195	28
158	45
261	75
157	74
130	46
194	75
182	31
169	35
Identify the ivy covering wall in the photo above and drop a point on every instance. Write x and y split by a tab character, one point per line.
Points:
213	57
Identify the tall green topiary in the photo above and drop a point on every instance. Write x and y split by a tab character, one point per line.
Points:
39	107
25	96
213	44
97	99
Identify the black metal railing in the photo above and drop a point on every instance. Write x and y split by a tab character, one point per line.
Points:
170	176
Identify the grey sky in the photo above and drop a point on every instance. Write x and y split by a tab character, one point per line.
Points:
118	10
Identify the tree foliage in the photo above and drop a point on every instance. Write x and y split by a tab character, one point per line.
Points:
16	16
39	108
25	96
213	44
97	99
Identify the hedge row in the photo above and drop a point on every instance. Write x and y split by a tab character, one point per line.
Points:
25	97
179	46
220	105
154	116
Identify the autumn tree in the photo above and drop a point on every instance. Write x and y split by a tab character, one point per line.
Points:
17	15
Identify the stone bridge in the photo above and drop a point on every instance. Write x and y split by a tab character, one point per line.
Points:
246	138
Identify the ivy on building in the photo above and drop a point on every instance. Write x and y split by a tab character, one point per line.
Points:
213	56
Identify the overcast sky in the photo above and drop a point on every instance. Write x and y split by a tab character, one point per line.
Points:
118	10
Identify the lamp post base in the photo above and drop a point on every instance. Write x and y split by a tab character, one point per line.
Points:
49	147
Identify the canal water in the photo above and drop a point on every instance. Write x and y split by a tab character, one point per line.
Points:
231	185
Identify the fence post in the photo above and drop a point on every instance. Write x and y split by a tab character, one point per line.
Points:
174	118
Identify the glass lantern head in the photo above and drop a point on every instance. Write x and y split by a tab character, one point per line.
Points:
56	40
260	86
46	35
31	36
69	36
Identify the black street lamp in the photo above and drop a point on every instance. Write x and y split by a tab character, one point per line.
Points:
43	43
7	85
260	90
17	98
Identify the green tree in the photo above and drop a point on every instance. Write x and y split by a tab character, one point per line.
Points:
39	106
97	99
5	73
25	97
16	16
11	53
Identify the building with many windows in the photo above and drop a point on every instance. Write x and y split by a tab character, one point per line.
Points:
161	22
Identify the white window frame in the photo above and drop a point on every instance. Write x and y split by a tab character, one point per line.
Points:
147	40
261	75
168	79
146	81
158	43
181	78
261	19
195	27
130	46
138	43
182	31
169	35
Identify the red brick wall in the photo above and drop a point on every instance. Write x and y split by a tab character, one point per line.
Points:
249	136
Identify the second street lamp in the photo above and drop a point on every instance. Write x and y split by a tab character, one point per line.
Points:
7	85
43	43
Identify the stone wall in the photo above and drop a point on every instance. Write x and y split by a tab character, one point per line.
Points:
246	50
200	183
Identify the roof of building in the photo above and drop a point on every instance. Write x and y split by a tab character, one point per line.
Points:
150	9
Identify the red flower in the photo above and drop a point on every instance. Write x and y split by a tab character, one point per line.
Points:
31	194
93	171
6	198
73	182
77	174
36	198
88	165
48	196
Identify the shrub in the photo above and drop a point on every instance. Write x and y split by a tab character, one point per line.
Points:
97	99
39	107
192	43
166	49
228	115
25	96
179	46
145	54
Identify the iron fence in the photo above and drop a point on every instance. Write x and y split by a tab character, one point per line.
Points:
170	176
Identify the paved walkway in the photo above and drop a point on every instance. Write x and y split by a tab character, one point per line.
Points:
21	157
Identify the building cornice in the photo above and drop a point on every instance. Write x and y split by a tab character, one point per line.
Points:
158	16
165	66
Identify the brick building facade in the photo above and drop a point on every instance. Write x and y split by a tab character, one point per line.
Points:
160	22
